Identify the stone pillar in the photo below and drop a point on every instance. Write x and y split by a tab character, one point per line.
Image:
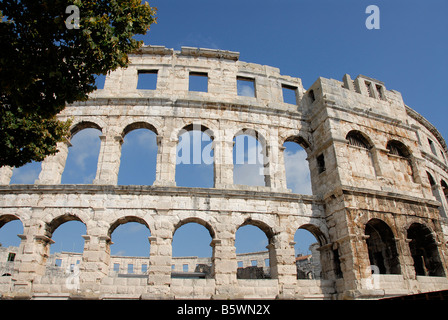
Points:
282	263
224	267
31	259
277	169
349	274
166	162
348	82
53	166
159	269
406	260
95	263
5	175
223	153
328	261
375	152
109	160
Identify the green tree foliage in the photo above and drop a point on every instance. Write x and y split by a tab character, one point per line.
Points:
44	65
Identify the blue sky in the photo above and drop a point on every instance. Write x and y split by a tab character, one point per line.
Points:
304	38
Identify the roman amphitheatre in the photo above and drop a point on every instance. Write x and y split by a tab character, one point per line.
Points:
378	169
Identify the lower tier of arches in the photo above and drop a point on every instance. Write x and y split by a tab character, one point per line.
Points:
163	210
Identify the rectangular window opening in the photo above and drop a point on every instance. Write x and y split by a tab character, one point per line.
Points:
380	91
443	156
130	268
198	81
144	268
245	87
311	95
369	88
147	79
254	263
289	94
433	148
58	262
100	79
11	256
185	267
321	163
240	264
266	262
116	267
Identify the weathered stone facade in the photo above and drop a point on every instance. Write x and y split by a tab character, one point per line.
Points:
378	173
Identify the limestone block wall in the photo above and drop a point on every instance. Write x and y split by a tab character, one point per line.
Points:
370	159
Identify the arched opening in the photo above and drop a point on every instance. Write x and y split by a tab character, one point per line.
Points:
250	159
307	243
10	228
26	174
298	177
357	139
191	250
138	157
381	247
67	246
82	159
195	157
424	251
436	193
130	247
397	148
253	252
361	163
444	186
401	160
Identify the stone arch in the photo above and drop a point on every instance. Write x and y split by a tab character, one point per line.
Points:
359	139
381	246
14	227
198	258
129	236
86	124
138	150
139	125
398	148
444	186
197	220
403	161
195	156
436	192
81	163
300	140
66	233
123	220
360	150
269	268
52	225
254	157
431	180
316	232
309	266
424	251
297	167
5	218
197	126
253	133
263	226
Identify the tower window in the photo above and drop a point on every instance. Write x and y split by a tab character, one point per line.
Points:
147	80
321	163
198	81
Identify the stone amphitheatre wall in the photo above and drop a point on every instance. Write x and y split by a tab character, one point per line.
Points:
378	171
